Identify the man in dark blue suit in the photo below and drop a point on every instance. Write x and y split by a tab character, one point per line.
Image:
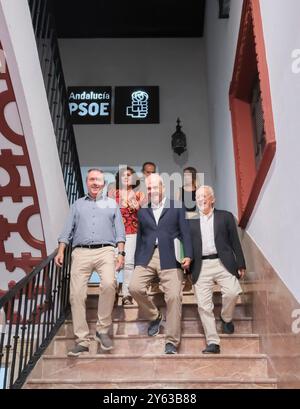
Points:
159	225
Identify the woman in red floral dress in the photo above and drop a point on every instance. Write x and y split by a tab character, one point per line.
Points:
129	201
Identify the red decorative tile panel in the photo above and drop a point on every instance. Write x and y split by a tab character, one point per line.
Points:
12	162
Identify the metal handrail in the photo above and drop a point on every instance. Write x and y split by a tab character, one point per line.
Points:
33	310
30	315
51	66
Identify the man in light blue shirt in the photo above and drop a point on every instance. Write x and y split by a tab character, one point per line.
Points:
95	227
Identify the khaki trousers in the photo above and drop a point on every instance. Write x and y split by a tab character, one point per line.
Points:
129	263
171	283
213	272
84	262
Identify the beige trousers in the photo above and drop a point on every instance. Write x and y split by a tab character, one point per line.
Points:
129	262
171	284
213	272
84	262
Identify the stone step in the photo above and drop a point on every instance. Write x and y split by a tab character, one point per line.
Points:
144	345
158	299
132	312
213	383
132	367
93	289
243	325
187	286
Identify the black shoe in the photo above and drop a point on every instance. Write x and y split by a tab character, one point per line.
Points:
227	327
127	300
211	349
78	350
153	328
170	348
105	341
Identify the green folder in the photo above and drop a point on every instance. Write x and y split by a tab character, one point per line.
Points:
179	250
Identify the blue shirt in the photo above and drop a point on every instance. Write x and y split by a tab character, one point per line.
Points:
93	221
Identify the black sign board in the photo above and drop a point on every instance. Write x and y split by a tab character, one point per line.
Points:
90	105
137	105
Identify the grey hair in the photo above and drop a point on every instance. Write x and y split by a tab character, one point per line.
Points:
94	170
209	188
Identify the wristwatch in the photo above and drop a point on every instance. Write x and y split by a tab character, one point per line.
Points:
122	253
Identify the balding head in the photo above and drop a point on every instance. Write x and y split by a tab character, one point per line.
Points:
155	188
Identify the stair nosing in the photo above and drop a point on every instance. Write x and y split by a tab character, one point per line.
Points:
145	320
133	381
162	336
135	306
158	356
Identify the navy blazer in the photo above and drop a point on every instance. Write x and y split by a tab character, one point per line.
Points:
226	240
172	224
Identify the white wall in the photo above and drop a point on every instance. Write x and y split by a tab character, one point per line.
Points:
275	223
17	37
177	66
220	46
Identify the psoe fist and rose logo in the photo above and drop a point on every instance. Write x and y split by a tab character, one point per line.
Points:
139	105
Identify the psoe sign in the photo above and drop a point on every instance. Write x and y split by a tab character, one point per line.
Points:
90	105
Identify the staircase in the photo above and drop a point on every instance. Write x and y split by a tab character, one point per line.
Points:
138	361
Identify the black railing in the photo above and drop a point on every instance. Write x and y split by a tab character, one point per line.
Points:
47	45
30	315
33	310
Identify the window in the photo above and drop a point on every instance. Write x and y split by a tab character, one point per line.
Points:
251	111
